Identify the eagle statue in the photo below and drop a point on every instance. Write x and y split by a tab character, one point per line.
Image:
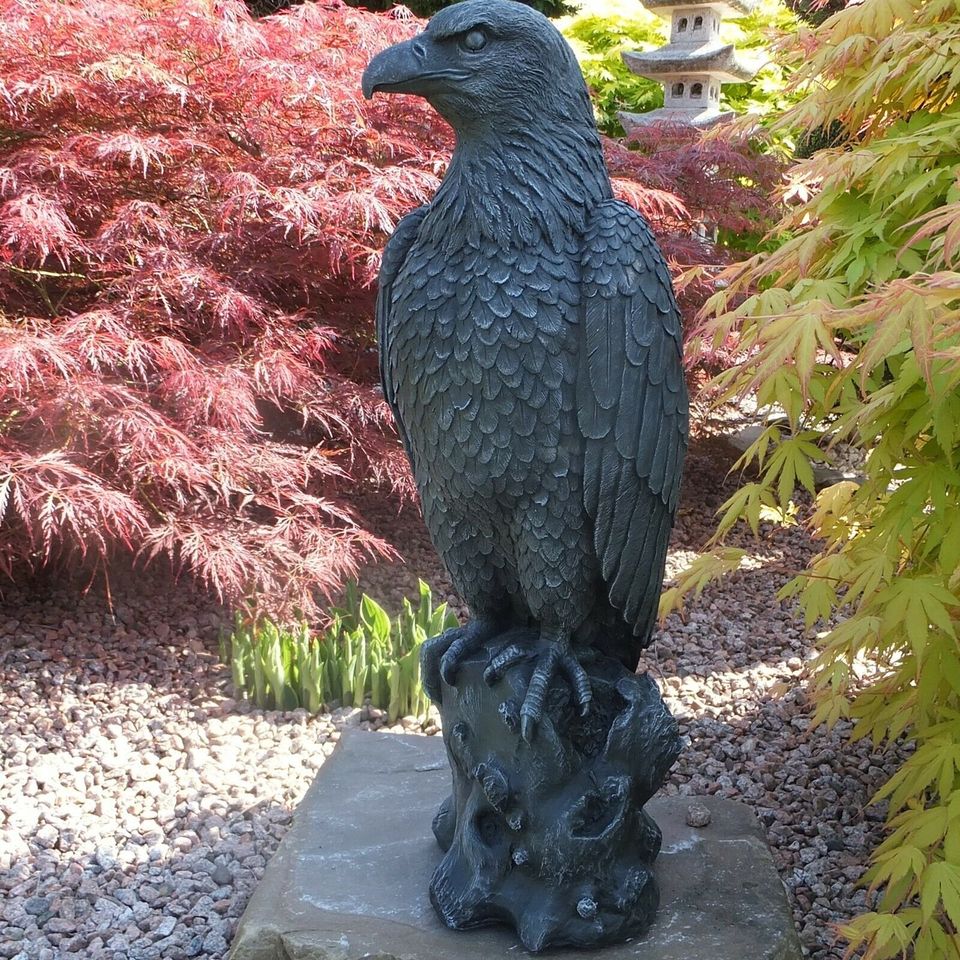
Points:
530	349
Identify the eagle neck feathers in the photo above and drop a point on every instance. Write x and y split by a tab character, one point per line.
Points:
535	184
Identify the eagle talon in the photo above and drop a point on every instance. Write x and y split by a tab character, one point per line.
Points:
441	656
558	657
503	661
528	727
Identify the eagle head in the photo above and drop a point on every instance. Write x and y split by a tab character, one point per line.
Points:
486	64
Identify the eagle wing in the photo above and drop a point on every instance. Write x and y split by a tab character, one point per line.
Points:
632	407
394	255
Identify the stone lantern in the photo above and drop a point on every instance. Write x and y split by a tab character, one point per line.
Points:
693	65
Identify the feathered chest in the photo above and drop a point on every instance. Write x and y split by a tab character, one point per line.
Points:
482	353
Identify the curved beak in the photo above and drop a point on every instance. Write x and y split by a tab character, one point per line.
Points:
395	70
404	68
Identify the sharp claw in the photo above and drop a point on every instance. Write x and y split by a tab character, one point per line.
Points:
459	643
528	727
507	658
448	670
579	682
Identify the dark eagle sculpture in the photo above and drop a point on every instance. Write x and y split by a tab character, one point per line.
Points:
530	348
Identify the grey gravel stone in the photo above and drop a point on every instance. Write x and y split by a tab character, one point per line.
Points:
36	905
85	692
697	815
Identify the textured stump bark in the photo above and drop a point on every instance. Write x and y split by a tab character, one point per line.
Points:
551	836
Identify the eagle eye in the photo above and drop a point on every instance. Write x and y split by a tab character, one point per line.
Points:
474	40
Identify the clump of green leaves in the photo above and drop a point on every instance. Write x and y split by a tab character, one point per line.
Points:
599	35
769	93
852	327
363	653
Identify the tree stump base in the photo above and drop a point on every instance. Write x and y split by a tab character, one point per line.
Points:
550	836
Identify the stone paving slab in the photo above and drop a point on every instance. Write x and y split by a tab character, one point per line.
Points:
349	880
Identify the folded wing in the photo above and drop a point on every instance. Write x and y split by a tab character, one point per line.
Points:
394	255
632	408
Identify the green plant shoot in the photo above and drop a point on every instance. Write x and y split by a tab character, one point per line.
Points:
362	653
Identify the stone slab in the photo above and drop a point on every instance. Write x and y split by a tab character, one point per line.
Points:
349	880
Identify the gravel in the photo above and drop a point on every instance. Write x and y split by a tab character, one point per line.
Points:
139	802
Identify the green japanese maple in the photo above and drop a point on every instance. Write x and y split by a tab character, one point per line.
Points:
852	327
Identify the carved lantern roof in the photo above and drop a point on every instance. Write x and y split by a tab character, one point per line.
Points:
726	8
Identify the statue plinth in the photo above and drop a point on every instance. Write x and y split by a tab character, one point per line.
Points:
551	836
348	880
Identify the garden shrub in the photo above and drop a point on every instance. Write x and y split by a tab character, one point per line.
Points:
192	206
852	327
769	93
363	654
815	11
422	8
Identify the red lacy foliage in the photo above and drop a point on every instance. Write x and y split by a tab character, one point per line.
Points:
192	207
681	179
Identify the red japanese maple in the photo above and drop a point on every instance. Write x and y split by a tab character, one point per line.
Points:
192	207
